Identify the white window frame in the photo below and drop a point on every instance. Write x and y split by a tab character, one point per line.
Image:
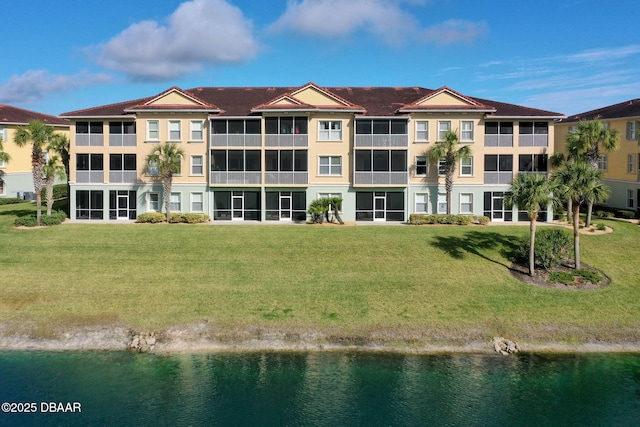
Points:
469	203
442	203
441	131
2	187
193	201
201	165
469	166
417	204
173	204
441	171
171	127
468	132
328	195
603	163
422	131
426	167
149	201
631	199
193	131
330	165
332	133
156	130
631	163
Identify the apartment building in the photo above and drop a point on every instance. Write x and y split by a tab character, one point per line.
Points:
16	177
264	153
621	167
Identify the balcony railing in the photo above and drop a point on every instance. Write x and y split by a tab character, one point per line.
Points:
381	141
294	140
89	140
380	178
498	140
128	140
235	177
89	177
123	176
498	177
529	140
287	178
236	140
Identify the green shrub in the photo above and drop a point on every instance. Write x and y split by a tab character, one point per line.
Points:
420	219
151	217
626	214
25	221
189	218
604	214
59	191
56	217
601	227
575	277
10	200
551	247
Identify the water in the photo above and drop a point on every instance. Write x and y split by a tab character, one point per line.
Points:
322	389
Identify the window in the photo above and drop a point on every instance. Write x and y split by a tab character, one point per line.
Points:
1	187
421	202
235	126
381	160
330	165
379	206
466	166
174	130
228	205
498	169
197	166
286	160
285	125
532	163
443	128
153	202
120	162
3	164
422	130
89	168
422	166
122	134
603	163
152	168
466	130
197	202
330	131
498	134
466	203
631	163
533	128
235	160
122	204
442	170
91	128
153	130
89	204
631	201
197	133
442	203
381	127
176	205
633	130
3	133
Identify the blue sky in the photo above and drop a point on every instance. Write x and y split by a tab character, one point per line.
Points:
566	56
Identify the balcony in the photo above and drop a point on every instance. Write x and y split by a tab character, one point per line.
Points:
498	177
90	140
85	177
236	140
368	141
493	140
123	177
128	140
286	140
528	140
380	178
235	178
287	178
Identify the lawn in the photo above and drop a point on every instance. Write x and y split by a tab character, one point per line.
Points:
407	284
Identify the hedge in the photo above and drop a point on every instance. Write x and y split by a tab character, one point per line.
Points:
419	219
56	217
10	200
176	218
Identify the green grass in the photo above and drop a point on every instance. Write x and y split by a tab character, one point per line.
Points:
383	283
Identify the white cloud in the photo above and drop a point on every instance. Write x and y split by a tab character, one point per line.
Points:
35	85
198	33
455	31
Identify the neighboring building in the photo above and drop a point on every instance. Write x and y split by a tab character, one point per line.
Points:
620	167
263	154
16	178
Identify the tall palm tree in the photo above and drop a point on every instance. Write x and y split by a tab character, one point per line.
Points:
590	140
60	144
532	192
166	159
582	184
38	134
4	158
449	151
51	170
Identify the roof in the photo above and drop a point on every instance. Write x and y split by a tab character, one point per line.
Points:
626	109
19	116
368	101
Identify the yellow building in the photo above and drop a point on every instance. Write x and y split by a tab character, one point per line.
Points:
264	153
16	177
620	167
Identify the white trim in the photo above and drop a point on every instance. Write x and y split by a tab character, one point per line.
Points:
191	194
191	165
169	130
147	135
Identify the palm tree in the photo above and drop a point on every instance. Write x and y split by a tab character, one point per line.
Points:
451	154
165	160
4	158
51	170
532	192
38	134
582	184
590	139
60	144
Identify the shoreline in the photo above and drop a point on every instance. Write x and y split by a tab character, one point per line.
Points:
180	342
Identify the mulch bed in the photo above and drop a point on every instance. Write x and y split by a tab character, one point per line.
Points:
541	277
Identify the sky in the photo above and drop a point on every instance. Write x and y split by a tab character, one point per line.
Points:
565	56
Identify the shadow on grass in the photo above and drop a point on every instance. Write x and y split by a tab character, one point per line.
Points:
20	213
476	243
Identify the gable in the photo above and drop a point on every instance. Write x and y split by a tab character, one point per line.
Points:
444	98
173	98
313	96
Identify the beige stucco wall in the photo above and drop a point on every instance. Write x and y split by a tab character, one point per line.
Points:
20	156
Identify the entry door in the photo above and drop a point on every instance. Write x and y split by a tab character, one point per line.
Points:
379	201
123	205
237	206
497	207
285	207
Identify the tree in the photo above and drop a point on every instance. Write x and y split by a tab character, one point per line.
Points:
532	192
51	170
164	161
448	151
60	144
39	135
582	184
4	156
589	141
